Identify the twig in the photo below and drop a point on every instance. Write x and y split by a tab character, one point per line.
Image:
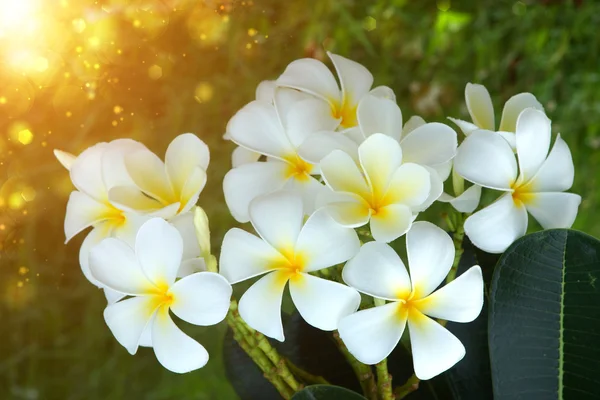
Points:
307	377
409	386
363	372
384	381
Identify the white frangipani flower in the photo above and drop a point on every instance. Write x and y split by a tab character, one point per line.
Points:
148	274
164	188
378	271
265	91
276	131
481	110
535	185
287	251
312	76
380	190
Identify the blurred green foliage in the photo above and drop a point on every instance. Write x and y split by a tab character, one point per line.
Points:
210	57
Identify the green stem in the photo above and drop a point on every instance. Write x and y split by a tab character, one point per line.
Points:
306	376
409	386
458	236
384	381
363	372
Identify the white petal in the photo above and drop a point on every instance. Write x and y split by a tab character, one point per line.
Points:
355	79
93	238
557	172
257	127
131	199
372	334
355	134
114	171
480	106
486	159
175	350
260	306
346	209
495	227
311	76
192	188
277	217
83	211
158	248
86	172
378	271
306	117
554	210
383	92
149	174
430	256
443	170
467	202
465	126
533	141
436	188
434	348
413	123
265	91
379	115
185	153
391	222
410	185
112	296
322	303
191	266
513	107
340	173
324	243
380	156
242	155
429	144
201	298
309	188
320	144
460	300
184	223
113	264
128	318
510	137
244	255
64	158
244	183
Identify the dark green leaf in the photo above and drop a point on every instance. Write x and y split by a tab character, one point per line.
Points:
326	392
545	318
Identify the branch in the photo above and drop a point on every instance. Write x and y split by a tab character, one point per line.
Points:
363	372
384	381
410	386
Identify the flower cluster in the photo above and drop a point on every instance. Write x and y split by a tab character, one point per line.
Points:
329	175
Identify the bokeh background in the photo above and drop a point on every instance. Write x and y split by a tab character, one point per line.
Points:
76	72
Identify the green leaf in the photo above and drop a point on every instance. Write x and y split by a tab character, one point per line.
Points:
326	392
544	329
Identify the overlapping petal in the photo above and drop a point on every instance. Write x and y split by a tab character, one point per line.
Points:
533	141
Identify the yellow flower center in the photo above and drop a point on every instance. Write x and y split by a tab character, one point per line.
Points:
522	194
346	112
298	168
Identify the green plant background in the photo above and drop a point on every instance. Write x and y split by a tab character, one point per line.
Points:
211	55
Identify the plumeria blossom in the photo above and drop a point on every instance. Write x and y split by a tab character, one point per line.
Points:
481	109
166	188
380	189
288	251
275	130
313	77
148	274
378	271
467	201
535	184
265	91
432	145
93	173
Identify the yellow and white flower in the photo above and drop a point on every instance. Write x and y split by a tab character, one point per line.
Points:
313	77
287	251
378	271
481	110
166	188
380	189
535	185
148	274
275	130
